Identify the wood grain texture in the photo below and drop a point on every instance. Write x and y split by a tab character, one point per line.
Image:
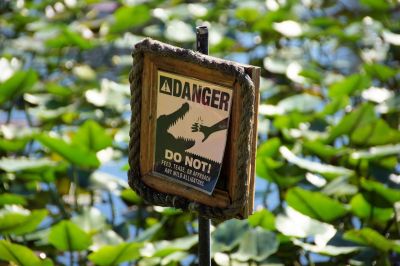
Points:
221	197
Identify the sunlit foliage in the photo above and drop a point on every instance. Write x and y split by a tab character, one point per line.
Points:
328	172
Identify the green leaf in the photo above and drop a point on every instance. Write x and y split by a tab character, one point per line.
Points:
67	236
58	90
166	248
176	257
127	17
150	232
67	37
328	250
18	221
376	4
266	169
303	103
76	155
349	85
105	238
316	167
17	254
167	211
339	186
311	74
359	117
269	148
22	164
315	204
391	105
265	23
257	244
291	120
84	72
45	262
363	209
372	134
228	235
92	136
19	83
324	151
380	71
323	22
186	33
91	220
108	182
114	255
130	196
263	218
76	39
295	224
389	194
334	106
369	237
247	14
376	152
10	199
13	145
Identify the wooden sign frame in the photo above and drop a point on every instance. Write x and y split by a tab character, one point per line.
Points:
233	196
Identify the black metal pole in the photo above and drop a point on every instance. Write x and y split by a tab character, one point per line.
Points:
204	223
202	39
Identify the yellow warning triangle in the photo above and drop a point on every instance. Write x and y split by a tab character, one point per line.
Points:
165	87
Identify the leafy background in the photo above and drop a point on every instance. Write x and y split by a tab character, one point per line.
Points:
328	172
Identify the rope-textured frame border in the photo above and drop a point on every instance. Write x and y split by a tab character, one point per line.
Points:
247	93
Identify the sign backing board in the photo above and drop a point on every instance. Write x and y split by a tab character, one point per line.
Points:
191	130
156	66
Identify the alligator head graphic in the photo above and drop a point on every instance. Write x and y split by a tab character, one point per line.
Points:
165	140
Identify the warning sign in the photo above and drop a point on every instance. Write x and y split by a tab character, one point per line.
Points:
191	130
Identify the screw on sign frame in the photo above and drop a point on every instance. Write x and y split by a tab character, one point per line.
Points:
233	195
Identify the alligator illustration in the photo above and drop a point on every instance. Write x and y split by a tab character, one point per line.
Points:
165	140
208	130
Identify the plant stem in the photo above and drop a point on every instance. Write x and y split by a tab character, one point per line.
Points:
9	113
57	200
91	192
140	220
396	223
74	188
265	195
371	214
28	116
71	258
310	261
112	207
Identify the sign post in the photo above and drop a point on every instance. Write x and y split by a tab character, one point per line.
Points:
193	134
204	223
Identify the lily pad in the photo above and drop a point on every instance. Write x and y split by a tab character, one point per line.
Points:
369	237
18	221
256	245
228	235
17	254
365	210
20	82
23	163
114	255
316	167
295	224
93	136
67	236
262	218
76	155
315	204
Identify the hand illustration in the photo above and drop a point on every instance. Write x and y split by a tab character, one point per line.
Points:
208	130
